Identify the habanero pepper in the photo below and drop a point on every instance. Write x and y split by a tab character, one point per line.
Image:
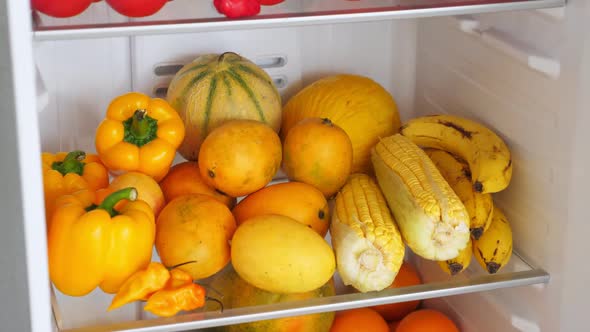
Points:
143	283
65	173
139	134
170	300
90	245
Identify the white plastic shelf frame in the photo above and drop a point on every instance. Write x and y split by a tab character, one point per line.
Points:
181	16
436	284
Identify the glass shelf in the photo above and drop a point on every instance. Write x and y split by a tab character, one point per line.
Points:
436	284
183	16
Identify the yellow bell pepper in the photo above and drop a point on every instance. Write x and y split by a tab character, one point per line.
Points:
65	173
139	134
90	245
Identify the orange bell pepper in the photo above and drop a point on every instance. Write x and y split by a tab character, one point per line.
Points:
90	245
66	173
139	134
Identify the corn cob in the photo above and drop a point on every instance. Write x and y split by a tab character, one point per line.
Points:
480	207
432	219
369	249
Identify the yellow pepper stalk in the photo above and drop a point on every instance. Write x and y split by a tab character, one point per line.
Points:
139	134
65	173
90	246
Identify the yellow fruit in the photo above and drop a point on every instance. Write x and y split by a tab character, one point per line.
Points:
486	153
280	255
319	153
240	157
494	248
357	104
237	293
297	200
458	264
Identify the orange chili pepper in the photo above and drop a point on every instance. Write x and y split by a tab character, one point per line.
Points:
141	284
169	301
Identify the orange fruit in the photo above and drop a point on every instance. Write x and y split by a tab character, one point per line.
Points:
407	276
300	201
240	157
185	178
427	320
359	320
195	228
148	190
318	152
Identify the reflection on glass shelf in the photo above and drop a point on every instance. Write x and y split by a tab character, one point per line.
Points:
195	16
436	284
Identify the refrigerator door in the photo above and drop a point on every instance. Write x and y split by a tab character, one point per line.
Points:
24	290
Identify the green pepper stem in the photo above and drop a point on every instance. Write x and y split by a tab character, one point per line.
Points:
72	163
111	200
140	127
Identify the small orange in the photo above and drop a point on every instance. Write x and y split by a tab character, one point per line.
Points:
319	153
185	178
195	228
393	325
148	190
240	157
427	320
407	276
359	320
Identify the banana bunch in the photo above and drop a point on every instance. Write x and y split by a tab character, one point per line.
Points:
486	153
476	163
479	206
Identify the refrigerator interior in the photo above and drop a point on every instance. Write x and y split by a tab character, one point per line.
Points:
522	73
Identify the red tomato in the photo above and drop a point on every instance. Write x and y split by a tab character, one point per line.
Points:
269	2
61	8
136	8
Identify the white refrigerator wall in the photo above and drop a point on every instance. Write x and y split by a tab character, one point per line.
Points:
525	74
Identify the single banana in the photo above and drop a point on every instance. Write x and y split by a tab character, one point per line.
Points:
480	207
486	153
458	264
494	248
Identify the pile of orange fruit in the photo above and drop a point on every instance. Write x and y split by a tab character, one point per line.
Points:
395	317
